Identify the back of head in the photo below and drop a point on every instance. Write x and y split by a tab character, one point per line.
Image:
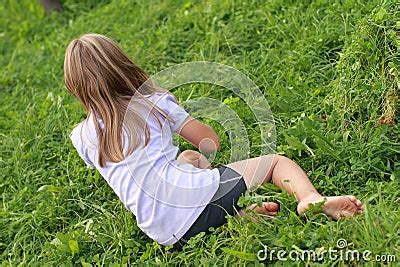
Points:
102	77
96	69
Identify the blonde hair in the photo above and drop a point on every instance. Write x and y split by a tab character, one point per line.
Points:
102	77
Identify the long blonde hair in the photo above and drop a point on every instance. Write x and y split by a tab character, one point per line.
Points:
102	77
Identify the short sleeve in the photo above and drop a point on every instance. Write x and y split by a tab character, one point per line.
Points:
77	142
177	113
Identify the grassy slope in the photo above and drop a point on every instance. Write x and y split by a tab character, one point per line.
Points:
329	71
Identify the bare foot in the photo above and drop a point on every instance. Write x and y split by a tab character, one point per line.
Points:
336	207
267	208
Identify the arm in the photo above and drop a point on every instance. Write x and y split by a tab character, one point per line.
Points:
200	135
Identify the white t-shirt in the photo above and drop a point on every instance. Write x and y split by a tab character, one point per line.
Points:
165	196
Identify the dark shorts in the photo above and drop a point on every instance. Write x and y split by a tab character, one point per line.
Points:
224	202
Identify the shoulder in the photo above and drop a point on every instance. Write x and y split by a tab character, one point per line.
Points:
161	97
82	138
82	131
76	132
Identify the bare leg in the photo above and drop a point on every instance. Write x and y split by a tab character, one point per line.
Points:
195	158
200	161
287	175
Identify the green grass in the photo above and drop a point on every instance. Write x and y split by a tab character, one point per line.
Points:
329	70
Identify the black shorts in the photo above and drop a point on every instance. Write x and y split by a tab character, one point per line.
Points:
224	202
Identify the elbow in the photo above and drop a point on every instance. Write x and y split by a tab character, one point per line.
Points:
215	145
209	145
215	140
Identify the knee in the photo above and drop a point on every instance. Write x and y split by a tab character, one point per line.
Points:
276	158
189	155
280	157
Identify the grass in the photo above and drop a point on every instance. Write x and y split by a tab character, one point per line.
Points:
329	70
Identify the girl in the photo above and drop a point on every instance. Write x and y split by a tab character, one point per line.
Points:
127	136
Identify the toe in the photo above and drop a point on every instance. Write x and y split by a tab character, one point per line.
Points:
271	206
352	198
268	208
356	202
